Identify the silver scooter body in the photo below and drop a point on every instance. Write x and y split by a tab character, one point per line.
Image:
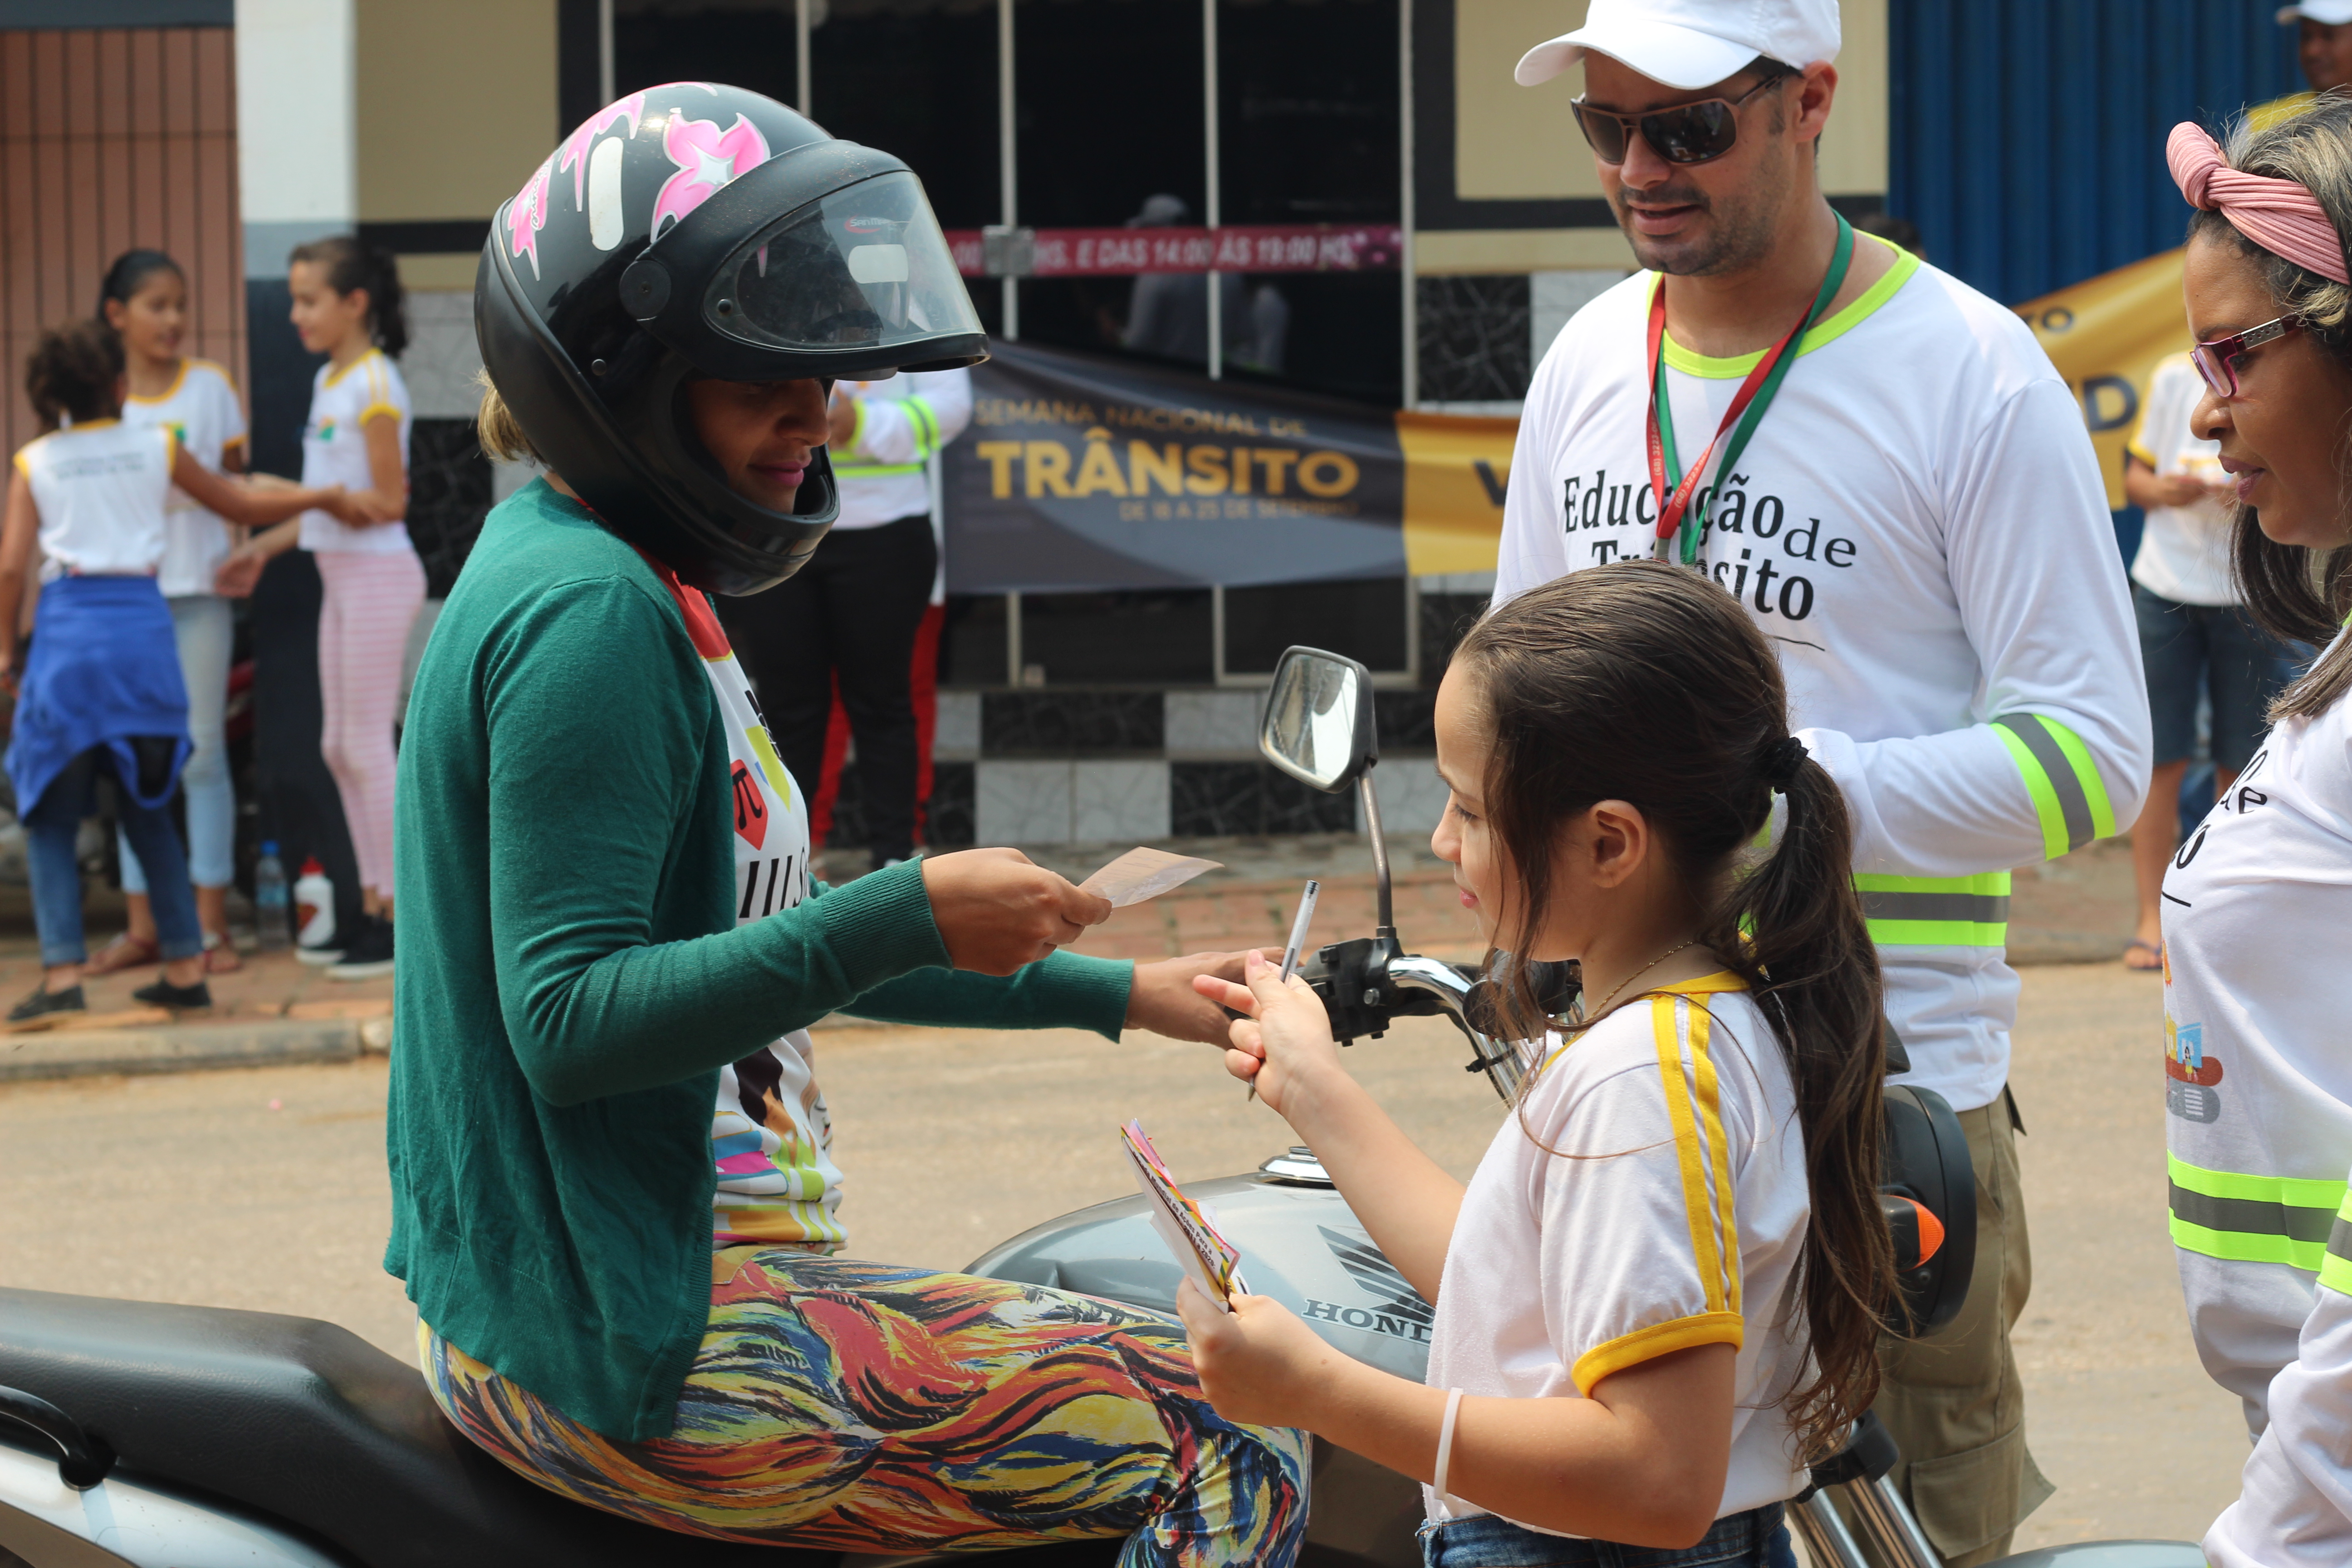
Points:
134	1436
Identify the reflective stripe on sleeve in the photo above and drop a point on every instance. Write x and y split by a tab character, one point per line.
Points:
874	470
926	421
1935	911
2256	1219
2335	1268
2068	797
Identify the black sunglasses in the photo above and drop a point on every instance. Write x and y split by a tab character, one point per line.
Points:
1683	133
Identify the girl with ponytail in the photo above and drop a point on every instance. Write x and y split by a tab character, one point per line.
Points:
347	306
1660	1290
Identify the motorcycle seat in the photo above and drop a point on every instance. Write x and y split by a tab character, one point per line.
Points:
308	1424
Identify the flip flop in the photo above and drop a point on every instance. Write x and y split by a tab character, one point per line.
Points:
2154	949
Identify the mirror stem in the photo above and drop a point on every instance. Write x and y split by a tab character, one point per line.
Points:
1371	803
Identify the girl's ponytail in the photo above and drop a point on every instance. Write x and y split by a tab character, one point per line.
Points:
1647	683
1792	928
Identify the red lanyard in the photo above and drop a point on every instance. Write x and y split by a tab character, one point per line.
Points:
1764	379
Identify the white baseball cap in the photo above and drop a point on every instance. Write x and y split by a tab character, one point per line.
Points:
1696	43
2333	13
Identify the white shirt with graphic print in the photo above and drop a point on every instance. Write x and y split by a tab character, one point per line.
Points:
771	1134
1920	527
2258	1079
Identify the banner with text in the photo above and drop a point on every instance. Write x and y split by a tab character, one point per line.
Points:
1235	247
2105	335
1085	472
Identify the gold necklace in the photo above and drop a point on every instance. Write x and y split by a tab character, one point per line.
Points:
1603	1011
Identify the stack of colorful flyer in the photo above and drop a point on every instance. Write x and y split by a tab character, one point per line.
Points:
1211	1261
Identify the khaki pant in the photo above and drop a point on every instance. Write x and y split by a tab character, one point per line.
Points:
1954	1403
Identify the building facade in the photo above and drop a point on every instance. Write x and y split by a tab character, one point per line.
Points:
230	131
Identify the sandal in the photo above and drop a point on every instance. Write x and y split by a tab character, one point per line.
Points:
2155	952
125	952
220	955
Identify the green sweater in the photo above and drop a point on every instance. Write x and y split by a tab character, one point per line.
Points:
571	976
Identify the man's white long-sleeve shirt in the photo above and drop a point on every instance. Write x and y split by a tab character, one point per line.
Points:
1919	524
902	420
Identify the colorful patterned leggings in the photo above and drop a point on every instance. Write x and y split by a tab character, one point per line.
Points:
861	1407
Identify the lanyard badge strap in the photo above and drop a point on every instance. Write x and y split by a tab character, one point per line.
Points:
1673	488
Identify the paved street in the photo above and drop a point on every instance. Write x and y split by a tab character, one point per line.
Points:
265	1189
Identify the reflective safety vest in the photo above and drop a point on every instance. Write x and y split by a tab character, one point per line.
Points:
922	417
1973	911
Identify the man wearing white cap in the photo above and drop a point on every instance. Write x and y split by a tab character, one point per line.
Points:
2322	47
1880	464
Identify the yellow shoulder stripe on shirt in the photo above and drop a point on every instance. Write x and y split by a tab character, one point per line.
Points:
1822	336
1680	1024
2068	797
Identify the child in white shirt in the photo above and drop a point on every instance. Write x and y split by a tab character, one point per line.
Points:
1657	1306
100	691
145	301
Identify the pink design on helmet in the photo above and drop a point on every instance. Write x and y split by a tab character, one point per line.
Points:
527	215
573	154
707	158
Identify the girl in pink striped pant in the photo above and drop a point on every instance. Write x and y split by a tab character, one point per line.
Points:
347	306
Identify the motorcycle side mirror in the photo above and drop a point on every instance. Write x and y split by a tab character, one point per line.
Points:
1319	720
1319	729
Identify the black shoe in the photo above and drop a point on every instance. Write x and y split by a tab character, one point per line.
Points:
178	998
369	955
41	1004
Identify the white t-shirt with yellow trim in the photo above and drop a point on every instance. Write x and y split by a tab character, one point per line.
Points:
1671	1215
2184	552
100	489
334	448
202	408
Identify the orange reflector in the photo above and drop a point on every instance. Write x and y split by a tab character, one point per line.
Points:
1931	1233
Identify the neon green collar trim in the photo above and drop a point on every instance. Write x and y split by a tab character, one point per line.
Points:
1829	331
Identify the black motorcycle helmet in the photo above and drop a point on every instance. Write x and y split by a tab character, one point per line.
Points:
696	230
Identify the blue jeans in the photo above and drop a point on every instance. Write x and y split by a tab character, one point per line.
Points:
2216	650
50	829
1754	1539
204	627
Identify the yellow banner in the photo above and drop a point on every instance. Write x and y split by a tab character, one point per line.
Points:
1455	469
2105	335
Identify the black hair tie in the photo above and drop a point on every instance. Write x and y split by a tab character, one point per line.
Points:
1778	762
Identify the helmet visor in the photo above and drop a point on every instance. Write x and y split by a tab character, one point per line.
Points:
863	269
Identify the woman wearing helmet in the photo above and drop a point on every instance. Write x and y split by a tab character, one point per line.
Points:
627	1296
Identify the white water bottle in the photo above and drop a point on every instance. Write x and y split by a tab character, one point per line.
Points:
314	905
269	923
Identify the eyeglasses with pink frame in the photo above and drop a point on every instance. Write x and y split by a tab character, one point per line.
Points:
2217	362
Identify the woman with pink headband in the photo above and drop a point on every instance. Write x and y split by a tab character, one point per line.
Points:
2259	1091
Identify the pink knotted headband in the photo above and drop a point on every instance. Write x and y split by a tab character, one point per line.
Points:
2279	215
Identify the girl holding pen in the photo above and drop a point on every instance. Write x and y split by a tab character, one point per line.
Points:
1656	1298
